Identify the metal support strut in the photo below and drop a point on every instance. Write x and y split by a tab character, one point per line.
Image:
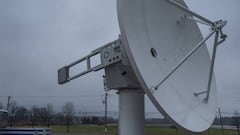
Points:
190	12
185	58
217	29
216	43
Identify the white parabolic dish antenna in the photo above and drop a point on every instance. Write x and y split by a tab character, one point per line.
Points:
169	58
155	42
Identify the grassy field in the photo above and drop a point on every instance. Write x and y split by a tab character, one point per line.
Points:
149	130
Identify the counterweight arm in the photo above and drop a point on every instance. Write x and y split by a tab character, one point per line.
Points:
109	53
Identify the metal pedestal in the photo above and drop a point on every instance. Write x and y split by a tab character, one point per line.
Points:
131	112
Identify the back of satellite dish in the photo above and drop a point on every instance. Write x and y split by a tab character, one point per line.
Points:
162	53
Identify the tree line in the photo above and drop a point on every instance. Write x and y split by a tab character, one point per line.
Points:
44	116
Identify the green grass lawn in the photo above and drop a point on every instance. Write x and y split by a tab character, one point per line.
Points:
149	130
83	129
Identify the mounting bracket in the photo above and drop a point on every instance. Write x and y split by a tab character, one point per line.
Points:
109	53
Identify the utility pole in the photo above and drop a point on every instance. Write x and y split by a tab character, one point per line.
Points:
8	103
105	119
219	111
105	102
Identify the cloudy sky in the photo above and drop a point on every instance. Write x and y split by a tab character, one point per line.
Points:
39	36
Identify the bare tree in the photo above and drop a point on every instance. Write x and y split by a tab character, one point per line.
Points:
21	114
1	105
42	115
68	112
49	113
236	120
33	115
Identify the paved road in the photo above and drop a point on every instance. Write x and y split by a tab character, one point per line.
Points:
76	134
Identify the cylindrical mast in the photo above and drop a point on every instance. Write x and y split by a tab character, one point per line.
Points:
131	112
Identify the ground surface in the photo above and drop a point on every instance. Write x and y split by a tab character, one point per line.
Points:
112	130
76	134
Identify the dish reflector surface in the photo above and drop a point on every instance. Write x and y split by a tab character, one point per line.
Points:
155	40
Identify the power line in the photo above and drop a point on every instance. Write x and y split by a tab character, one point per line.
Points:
79	96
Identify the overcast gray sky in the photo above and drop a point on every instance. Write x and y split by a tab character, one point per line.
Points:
39	36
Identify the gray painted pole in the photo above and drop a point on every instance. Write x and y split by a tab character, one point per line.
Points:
219	111
131	112
105	119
